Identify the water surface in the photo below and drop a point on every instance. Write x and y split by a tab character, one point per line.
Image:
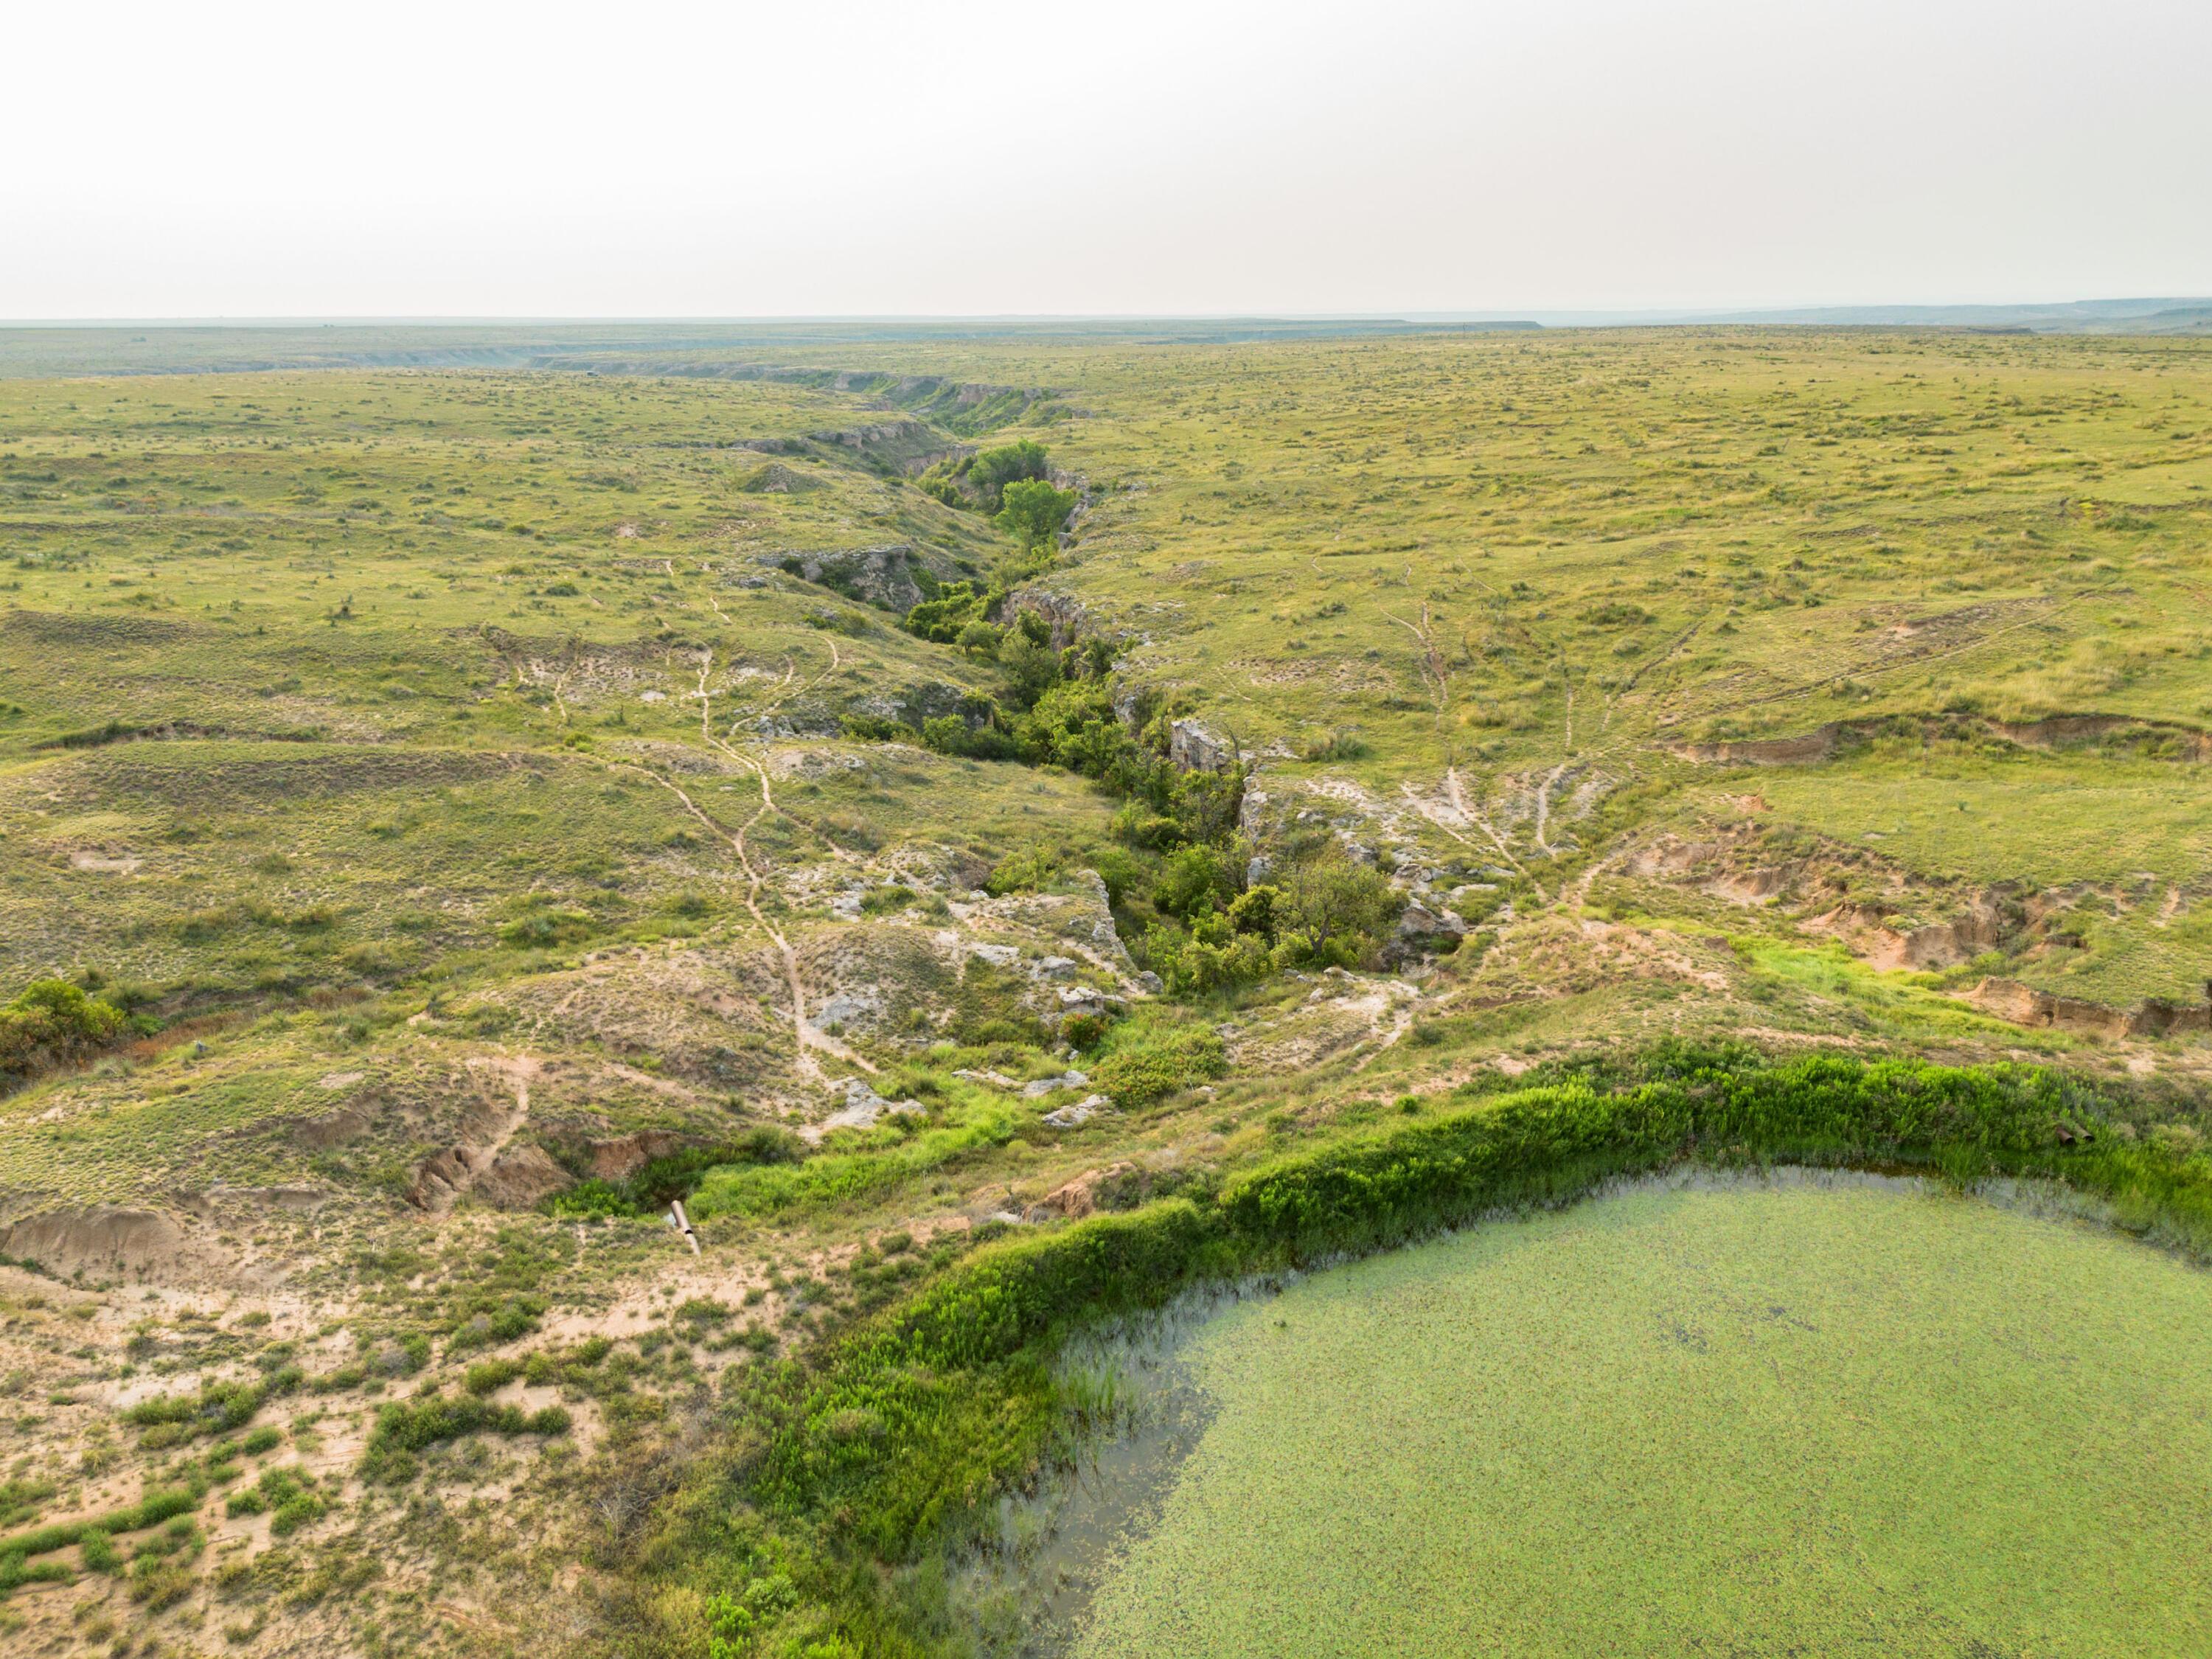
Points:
1804	1415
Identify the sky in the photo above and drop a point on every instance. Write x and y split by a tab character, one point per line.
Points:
975	158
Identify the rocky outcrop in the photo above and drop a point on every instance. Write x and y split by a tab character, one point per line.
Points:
2185	742
898	444
1194	749
1670	856
863	1109
1815	745
1069	619
1989	921
1077	1197
1759	886
885	577
514	1178
2023	1004
1424	932
912	704
1074	1116
520	1177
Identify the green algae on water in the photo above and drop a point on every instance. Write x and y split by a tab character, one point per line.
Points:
1820	1415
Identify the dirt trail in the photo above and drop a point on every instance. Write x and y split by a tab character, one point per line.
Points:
1666	655
1573	898
1544	795
706	697
1432	661
804	1036
1475	816
784	694
492	1138
1873	667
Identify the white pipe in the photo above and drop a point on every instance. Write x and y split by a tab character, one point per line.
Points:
677	1219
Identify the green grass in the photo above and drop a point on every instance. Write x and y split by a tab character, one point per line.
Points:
1674	534
2119	840
1896	1006
402	1429
836	1179
17	1568
1767	1417
1961	814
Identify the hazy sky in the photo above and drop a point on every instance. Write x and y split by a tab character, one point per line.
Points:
1299	156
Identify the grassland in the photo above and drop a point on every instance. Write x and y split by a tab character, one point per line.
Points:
494	785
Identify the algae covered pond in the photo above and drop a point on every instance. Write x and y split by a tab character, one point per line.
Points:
1804	1415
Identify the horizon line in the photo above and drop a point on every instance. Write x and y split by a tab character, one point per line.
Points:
1410	315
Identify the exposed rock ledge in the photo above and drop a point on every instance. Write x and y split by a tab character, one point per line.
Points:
2023	1004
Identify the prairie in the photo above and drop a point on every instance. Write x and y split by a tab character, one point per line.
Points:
924	796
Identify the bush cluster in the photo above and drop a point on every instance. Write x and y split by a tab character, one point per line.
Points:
170	1420
53	1023
1326	911
405	1428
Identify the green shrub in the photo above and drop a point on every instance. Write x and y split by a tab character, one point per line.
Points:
53	1022
98	1550
489	1375
170	1420
405	1428
511	1317
942	619
1145	1059
152	1509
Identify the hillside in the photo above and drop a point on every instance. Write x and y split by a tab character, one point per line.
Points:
461	791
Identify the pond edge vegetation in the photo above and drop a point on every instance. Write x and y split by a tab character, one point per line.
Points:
830	1521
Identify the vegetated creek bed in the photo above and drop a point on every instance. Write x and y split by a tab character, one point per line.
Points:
1792	1412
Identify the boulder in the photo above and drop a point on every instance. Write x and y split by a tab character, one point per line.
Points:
1069	1117
1194	749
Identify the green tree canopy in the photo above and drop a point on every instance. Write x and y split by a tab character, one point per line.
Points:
980	638
991	471
1034	511
1033	668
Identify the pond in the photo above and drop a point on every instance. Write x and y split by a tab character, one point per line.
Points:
1791	1414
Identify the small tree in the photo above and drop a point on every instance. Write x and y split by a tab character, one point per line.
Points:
1033	668
1033	512
1343	911
990	472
